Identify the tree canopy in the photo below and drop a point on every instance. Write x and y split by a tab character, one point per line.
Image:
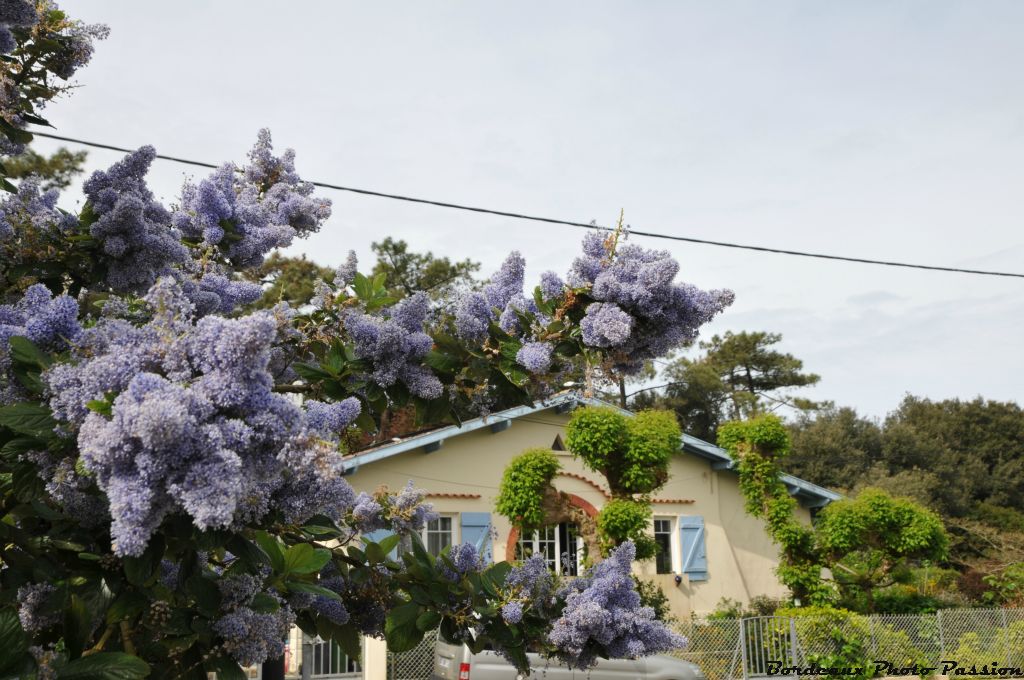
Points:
736	376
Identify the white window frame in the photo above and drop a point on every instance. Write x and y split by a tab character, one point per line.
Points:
534	541
453	518
673	541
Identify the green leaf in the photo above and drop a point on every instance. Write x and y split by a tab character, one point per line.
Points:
24	351
102	406
312	589
205	592
246	551
272	547
77	626
304	559
105	666
34	420
400	629
349	639
13	641
362	287
428	621
389	543
311	372
20	445
126	606
374	553
139	570
263	603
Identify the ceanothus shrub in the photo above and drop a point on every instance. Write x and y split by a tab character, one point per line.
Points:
172	468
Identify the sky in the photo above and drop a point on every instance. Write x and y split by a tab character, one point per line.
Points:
889	130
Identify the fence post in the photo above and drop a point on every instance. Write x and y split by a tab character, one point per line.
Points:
942	636
792	640
743	646
1006	635
306	660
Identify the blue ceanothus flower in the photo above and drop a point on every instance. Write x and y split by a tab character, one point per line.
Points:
603	606
132	228
640	312
395	343
195	426
247	212
49	322
14	13
30	207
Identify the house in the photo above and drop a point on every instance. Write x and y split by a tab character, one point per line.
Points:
711	548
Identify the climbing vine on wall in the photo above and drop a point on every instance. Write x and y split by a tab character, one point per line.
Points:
757	446
632	452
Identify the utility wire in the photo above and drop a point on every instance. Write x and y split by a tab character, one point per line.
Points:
581	225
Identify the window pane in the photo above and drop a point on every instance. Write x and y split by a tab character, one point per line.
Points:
438	535
663	537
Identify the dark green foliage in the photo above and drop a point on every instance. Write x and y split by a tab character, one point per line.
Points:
631	452
406	272
757	445
833	446
54	172
868	540
521	495
288	279
759	605
735	376
626	519
999	516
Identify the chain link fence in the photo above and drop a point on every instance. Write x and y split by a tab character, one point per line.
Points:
727	649
730	649
416	664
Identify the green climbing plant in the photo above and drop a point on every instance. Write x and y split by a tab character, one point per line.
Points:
756	446
523	485
632	452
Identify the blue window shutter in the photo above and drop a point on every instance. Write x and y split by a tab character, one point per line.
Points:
476	529
695	556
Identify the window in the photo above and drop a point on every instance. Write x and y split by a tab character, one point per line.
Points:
559	544
663	537
438	535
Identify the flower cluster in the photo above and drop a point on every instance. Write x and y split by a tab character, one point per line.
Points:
402	513
133	230
603	614
252	637
32	607
640	312
476	310
333	608
530	584
465	559
395	345
49	322
250	211
32	209
14	13
193	423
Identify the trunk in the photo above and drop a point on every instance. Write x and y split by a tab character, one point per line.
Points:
622	392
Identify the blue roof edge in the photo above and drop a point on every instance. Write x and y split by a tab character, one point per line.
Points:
818	495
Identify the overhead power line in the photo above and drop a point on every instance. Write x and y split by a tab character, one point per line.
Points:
569	223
